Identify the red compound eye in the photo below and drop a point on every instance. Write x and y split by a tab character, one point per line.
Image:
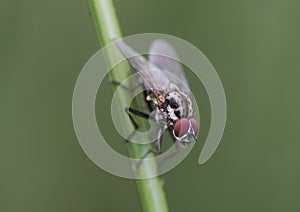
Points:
195	125
181	127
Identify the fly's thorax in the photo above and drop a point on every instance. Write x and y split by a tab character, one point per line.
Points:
179	105
170	106
159	116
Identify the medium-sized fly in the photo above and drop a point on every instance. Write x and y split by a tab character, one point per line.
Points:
167	96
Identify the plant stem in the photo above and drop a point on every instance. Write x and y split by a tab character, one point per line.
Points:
150	190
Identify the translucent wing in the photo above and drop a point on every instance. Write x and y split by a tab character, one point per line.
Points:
152	76
164	56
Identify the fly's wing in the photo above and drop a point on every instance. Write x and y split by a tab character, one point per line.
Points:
164	56
152	76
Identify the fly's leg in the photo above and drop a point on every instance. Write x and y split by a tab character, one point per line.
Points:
153	150
137	112
130	110
159	166
177	149
131	89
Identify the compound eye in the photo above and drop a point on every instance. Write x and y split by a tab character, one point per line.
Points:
181	127
195	125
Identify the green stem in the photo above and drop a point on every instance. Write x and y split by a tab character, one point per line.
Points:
150	191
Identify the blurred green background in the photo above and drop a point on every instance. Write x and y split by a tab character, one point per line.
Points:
254	46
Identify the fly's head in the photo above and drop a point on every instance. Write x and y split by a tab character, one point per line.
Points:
185	129
180	106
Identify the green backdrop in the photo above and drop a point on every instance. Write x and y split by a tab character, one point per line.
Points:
254	46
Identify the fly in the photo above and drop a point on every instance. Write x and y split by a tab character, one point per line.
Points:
169	98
